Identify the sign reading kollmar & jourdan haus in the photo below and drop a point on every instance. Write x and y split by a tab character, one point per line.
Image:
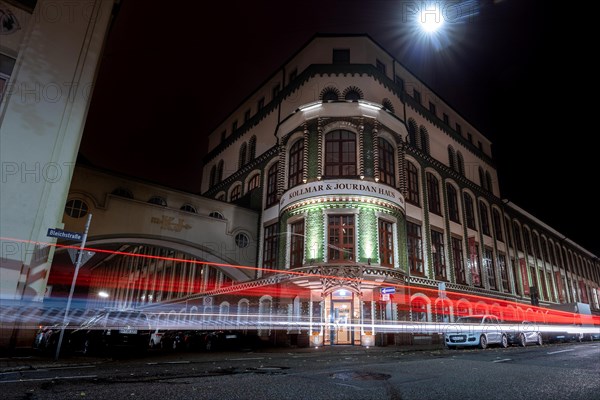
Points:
339	187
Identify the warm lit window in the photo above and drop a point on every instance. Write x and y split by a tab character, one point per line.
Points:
386	243
272	185
340	154
433	194
340	238
297	244
296	163
415	248
387	168
412	178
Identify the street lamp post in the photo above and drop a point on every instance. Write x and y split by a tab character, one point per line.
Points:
77	265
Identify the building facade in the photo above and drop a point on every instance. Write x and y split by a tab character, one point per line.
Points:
341	200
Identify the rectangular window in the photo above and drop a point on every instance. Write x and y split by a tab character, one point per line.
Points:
400	82
246	116
293	75
459	262
386	243
488	264
477	267
260	104
415	248
341	238
515	270
272	185
433	194
479	145
223	136
503	272
458	128
234	126
470	137
412	184
432	108
297	244
341	56
438	254
380	66
417	96
446	119
270	247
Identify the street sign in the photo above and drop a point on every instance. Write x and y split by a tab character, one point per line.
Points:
388	290
59	233
85	255
385	297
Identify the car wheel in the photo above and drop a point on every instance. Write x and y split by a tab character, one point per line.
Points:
522	340
153	345
504	342
482	342
539	339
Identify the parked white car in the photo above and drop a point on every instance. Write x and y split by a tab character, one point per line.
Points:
475	330
526	332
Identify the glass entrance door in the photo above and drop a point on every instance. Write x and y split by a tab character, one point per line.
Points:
342	322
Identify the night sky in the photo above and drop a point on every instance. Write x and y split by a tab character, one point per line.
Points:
170	75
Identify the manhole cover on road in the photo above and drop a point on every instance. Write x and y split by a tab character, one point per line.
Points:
360	376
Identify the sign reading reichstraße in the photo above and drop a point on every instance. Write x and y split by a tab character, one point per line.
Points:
59	233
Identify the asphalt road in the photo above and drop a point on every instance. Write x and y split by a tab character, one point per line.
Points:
560	371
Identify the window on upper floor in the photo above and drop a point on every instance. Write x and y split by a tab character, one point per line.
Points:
234	126
386	243
296	244
438	254
276	90
76	208
293	75
458	128
400	82
330	94
412	184
296	164
188	208
453	213
484	218
432	108
252	148
417	96
159	201
353	93
261	104
496	220
254	182
433	194
469	210
469	137
236	193
223	136
460	163
247	115
340	154
387	166
380	66
272	185
340	237
271	242
451	158
122	192
424	135
242	155
446	119
341	56
415	248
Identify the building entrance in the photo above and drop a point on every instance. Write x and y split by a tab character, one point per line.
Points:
343	317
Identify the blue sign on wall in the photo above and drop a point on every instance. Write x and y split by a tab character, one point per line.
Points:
388	290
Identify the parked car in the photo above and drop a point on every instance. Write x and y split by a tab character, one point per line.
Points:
112	333
156	338
524	333
221	340
46	338
475	330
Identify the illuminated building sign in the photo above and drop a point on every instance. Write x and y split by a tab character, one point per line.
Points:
340	187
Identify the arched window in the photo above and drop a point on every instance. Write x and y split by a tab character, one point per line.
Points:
481	178
484	217
252	148
412	183
236	193
216	214
488	180
418	310
330	94
340	154
188	208
452	203
469	210
213	176
387	168
451	158
433	194
387	104
296	164
159	201
272	185
461	163
424	135
412	133
242	159
254	182
219	172
353	94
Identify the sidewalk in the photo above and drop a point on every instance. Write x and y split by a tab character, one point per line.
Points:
29	360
